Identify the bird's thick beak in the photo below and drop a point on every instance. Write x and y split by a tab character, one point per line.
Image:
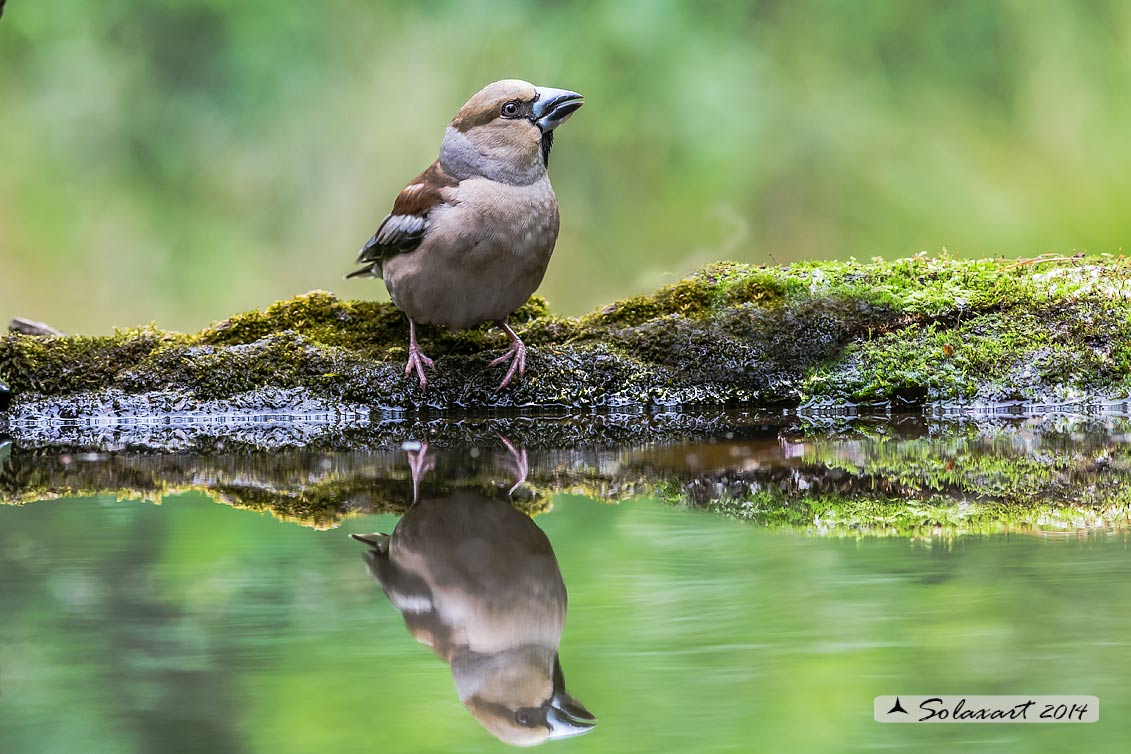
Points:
554	106
568	717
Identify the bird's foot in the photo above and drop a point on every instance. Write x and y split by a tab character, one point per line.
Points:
516	355
417	360
520	467
419	464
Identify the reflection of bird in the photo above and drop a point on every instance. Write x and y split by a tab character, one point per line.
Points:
469	239
478	582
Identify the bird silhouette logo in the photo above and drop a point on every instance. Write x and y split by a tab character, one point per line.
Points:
897	707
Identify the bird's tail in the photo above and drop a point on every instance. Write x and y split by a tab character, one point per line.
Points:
368	271
377	540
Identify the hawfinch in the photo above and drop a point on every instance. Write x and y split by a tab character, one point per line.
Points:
468	240
477	581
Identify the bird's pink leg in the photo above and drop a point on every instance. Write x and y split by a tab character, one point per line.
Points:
520	465
516	354
419	464
416	358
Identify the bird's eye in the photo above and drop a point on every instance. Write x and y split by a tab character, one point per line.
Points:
523	718
511	109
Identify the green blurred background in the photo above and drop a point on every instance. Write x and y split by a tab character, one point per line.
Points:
181	160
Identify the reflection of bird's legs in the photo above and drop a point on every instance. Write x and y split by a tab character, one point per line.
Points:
419	463
516	355
520	466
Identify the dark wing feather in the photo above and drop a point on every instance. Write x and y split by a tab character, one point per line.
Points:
404	228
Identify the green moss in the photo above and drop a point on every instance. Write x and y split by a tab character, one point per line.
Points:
920	480
1057	476
935	517
292	486
714	287
318	316
1027	354
628	311
535	308
65	365
759	288
906	331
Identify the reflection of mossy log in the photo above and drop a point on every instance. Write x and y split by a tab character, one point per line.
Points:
905	478
1057	475
309	488
907	332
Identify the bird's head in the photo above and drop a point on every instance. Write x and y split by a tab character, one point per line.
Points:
506	130
520	697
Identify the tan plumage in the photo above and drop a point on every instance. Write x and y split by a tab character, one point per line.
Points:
477	581
468	241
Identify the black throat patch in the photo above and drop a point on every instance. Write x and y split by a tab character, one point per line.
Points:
547	145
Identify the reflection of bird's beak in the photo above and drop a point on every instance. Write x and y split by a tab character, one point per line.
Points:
554	106
568	717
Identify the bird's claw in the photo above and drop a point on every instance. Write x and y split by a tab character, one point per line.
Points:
520	466
516	354
417	360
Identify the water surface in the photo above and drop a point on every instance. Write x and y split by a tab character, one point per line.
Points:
692	625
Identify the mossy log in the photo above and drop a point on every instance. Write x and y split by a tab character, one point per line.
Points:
905	333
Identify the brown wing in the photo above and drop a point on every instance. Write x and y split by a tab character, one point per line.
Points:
405	227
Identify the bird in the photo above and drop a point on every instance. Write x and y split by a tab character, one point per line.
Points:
468	240
477	581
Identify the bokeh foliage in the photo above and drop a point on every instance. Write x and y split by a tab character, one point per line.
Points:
177	160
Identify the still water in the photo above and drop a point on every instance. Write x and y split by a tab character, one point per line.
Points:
735	595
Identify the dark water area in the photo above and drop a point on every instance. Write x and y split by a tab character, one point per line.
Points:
731	589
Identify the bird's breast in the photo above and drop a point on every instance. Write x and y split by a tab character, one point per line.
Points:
518	220
483	256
